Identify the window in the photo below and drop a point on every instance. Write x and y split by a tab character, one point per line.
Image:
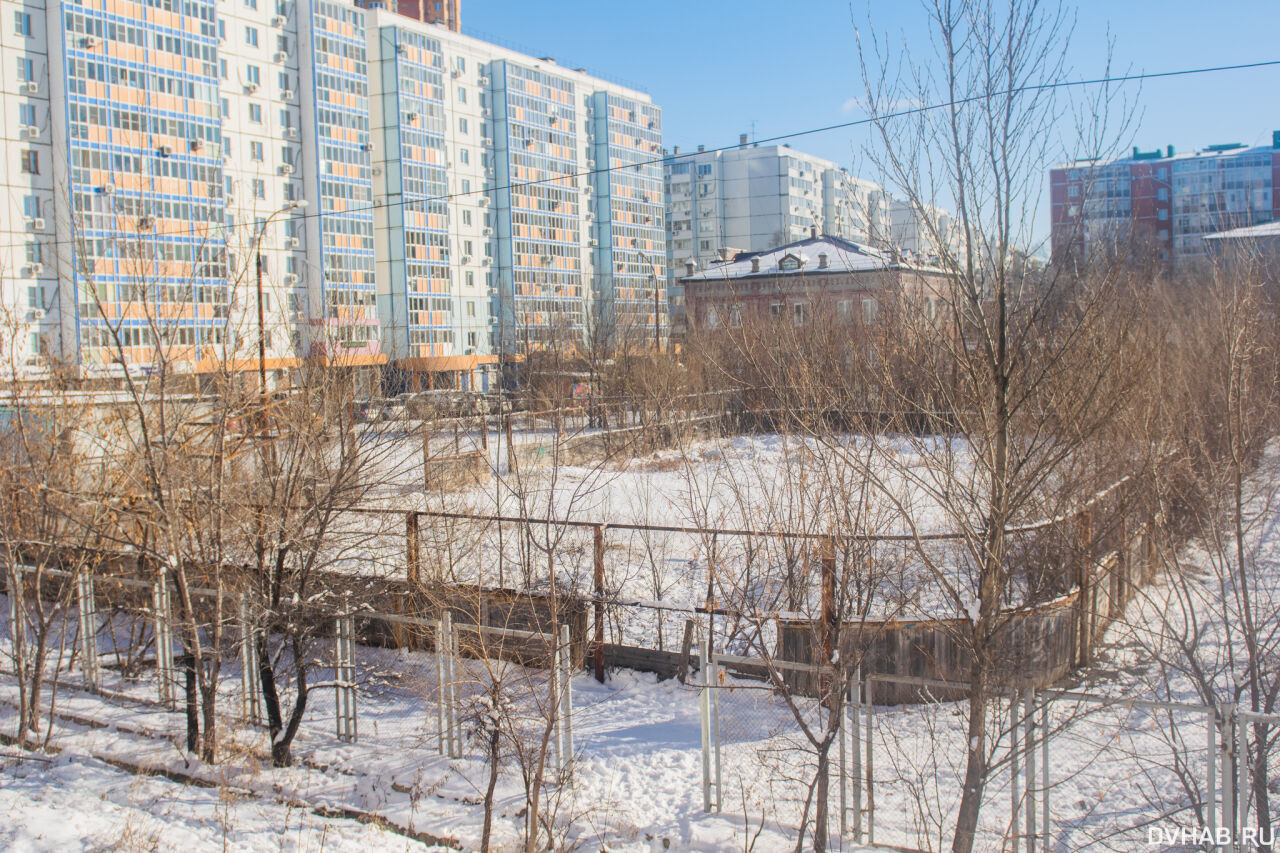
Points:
1073	191
251	36
800	313
1162	214
466	185
286	154
222	68
259	188
251	4
33	253
464	156
462	125
870	310
31	206
26	70
461	62
33	297
255	113
226	146
462	95
282	44
226	108
471	306
255	151
283	80
775	308
466	217
30	162
22	23
27	115
253	75
713	317
735	316
1162	194
222	30
466	249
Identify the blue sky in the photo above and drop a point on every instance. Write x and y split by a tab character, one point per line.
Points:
722	68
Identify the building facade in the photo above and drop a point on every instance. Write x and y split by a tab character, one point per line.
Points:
753	198
1160	205
189	180
796	284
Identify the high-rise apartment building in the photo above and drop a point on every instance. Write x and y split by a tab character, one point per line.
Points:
753	198
1160	204
189	180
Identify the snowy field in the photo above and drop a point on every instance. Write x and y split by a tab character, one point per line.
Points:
636	782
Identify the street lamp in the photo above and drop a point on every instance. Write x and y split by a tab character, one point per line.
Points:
262	331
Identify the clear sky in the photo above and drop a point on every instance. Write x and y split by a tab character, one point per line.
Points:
720	67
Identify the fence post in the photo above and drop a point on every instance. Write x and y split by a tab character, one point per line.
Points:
1228	771
704	670
566	697
1243	785
451	687
1029	733
855	730
871	780
1044	773
598	580
164	639
88	632
441	725
1015	794
411	549
556	707
1211	771
345	674
250	686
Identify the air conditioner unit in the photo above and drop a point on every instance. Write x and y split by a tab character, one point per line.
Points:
593	242
250	88
466	259
377	170
36	224
145	223
483	80
286	169
291	242
287	94
28	131
35	269
486	261
410	117
31	88
455	73
105	189
484	199
196	144
35	315
368	146
281	56
89	42
487	231
165	150
277	21
291	133
291	278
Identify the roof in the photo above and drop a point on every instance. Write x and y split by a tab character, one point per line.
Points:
1249	232
802	257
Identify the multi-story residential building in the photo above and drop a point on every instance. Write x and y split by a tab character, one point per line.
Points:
753	198
921	230
1159	204
236	182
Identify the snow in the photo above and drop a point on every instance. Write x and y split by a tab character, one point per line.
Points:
637	776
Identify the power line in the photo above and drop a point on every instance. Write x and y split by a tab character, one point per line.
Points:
671	158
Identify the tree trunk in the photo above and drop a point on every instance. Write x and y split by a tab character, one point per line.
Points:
820	811
487	830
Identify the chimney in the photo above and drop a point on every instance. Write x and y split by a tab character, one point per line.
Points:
1170	150
755	265
1275	139
675	149
688	267
742	140
701	148
822	260
813	232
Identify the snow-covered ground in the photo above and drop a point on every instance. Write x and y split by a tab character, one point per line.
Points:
1113	768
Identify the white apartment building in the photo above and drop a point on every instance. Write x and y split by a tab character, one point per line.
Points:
190	180
753	198
923	231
